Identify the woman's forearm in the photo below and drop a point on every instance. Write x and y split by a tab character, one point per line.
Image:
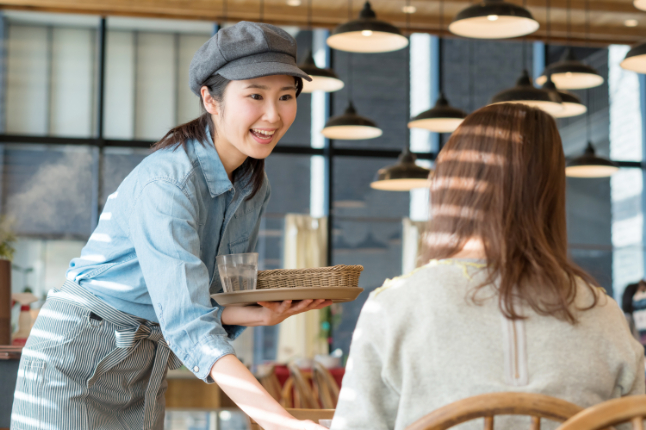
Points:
249	316
243	388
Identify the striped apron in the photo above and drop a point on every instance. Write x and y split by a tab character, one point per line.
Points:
89	366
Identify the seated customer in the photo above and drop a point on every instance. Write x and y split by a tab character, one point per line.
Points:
498	305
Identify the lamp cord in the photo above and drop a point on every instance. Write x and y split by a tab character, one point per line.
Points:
524	43
587	116
569	21
309	14
471	96
350	10
440	78
587	23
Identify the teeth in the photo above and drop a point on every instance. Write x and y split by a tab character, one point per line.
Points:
266	133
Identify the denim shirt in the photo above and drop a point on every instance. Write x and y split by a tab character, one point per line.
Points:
153	252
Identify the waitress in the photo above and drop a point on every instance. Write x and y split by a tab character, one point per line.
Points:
137	301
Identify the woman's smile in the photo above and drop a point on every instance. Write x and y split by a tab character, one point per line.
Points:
263	135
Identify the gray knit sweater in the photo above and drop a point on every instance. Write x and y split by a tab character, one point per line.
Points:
420	344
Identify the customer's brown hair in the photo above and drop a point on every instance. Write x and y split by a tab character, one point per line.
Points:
501	178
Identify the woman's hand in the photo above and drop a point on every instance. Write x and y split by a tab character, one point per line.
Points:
269	313
277	312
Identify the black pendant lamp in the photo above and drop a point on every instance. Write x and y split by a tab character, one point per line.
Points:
403	176
367	34
350	126
570	74
589	165
322	79
572	105
494	19
635	60
524	92
441	118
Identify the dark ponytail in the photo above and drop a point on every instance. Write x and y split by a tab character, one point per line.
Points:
253	170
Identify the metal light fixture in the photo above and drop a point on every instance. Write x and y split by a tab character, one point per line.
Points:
589	165
640	4
493	19
403	176
351	126
572	105
524	92
322	79
570	74
367	34
441	118
635	60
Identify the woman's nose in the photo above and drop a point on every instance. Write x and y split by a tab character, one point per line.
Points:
271	113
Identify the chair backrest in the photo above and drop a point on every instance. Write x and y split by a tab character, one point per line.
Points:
616	411
303	394
270	382
488	405
326	385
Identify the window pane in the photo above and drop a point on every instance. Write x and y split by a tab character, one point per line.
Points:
117	164
48	190
51	58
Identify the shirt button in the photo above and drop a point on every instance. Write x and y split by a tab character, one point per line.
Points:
168	343
196	369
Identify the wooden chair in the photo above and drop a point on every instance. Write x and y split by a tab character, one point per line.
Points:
616	411
304	396
486	406
326	385
270	382
303	414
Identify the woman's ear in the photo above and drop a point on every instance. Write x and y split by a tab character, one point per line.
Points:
209	102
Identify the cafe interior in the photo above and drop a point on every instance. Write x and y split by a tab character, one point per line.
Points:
87	87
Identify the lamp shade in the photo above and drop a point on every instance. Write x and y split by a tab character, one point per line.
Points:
640	4
403	176
570	74
589	165
322	79
572	105
635	60
524	92
493	19
350	126
367	34
441	118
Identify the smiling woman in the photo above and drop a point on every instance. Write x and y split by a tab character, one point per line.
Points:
144	306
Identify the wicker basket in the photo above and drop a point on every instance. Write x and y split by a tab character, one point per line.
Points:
335	276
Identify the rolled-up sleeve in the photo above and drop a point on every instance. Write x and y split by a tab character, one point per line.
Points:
163	228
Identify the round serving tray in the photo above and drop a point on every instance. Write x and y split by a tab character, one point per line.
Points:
242	298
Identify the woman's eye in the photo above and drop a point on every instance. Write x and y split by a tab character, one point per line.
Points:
286	97
256	96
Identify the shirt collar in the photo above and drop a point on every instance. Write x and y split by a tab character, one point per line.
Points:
215	175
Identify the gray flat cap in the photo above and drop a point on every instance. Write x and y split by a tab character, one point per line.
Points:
246	50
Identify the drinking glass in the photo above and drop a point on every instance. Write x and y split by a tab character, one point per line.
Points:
238	272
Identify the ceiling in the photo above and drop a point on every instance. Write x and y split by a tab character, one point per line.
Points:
607	17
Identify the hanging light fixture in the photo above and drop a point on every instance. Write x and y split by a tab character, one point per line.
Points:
441	118
322	79
493	19
572	105
635	60
350	126
589	165
524	92
569	73
405	175
640	4
366	34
